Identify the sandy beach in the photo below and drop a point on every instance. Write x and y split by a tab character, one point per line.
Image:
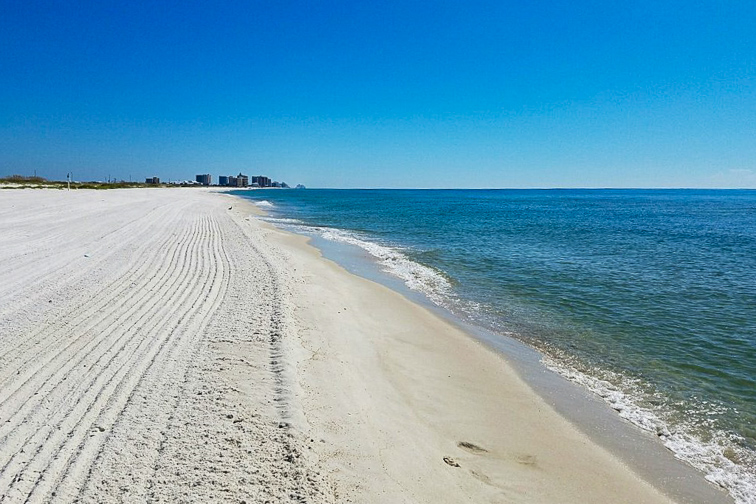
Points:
164	345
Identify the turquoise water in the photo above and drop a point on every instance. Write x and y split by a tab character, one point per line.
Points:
647	298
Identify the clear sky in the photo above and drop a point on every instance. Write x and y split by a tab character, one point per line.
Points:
383	94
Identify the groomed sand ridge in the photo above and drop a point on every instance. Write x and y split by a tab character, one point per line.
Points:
139	335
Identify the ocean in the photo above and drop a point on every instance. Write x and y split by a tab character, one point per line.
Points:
645	297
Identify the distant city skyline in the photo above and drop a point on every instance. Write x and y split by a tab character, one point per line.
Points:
480	94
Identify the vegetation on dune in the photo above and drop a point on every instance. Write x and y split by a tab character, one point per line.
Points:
20	179
24	182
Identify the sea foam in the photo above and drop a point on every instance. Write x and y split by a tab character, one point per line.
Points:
690	428
416	276
714	456
392	260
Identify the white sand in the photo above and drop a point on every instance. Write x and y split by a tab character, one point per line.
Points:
156	345
137	331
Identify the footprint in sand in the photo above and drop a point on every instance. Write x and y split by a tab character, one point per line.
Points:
529	460
472	448
481	477
450	461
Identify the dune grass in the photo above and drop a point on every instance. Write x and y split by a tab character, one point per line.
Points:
24	182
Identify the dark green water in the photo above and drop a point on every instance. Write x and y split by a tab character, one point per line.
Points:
647	298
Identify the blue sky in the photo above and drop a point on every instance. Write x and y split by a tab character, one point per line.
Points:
397	94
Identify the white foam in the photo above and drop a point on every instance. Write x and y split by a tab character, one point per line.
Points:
416	276
282	220
619	391
713	457
264	204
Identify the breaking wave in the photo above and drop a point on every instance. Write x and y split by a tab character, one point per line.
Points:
721	456
416	276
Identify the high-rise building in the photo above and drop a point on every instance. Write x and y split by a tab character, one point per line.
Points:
205	179
261	181
223	180
242	180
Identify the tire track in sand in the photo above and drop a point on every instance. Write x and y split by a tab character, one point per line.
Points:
177	349
32	269
57	368
49	342
39	430
76	273
65	436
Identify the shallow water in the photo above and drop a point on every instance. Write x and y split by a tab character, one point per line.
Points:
647	298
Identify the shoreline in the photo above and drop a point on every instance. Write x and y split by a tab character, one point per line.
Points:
168	345
641	450
680	481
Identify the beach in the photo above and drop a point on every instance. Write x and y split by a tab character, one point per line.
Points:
165	345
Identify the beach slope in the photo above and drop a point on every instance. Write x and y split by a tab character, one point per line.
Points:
412	409
165	345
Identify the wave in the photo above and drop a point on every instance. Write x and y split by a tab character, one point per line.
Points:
264	204
416	276
721	456
282	221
